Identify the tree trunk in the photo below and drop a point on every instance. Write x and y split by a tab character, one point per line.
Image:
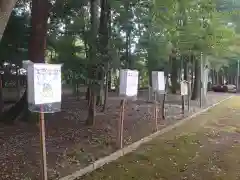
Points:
174	74
166	91
6	7
230	78
91	109
128	52
87	95
37	46
100	96
86	49
213	77
110	80
185	67
106	91
220	77
92	60
216	77
38	36
196	87
108	74
149	77
104	31
128	31
192	74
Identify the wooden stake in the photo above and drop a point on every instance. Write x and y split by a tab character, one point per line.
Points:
149	93
182	104
43	146
89	96
156	120
163	106
155	112
120	124
189	89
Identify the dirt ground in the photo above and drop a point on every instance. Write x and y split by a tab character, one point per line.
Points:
72	145
207	147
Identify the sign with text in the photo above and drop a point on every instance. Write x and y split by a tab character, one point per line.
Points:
128	82
44	83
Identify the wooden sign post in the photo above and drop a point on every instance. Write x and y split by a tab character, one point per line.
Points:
128	90
189	95
44	96
156	109
158	84
43	145
120	124
184	92
183	104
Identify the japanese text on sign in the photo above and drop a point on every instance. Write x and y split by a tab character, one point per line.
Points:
47	85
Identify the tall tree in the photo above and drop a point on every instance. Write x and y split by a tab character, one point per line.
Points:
6	7
36	51
93	66
103	47
37	44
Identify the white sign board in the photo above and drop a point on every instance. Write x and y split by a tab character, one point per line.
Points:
158	81
44	83
128	82
184	88
205	81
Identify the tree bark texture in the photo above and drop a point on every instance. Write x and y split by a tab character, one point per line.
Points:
6	7
197	85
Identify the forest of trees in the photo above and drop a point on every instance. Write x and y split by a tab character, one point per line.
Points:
94	38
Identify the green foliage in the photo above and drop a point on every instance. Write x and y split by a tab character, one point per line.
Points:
14	44
156	29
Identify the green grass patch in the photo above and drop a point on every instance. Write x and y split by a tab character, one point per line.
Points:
186	152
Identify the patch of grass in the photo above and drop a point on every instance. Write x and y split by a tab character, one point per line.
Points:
230	163
184	153
156	160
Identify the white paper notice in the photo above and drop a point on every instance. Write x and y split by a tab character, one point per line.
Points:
47	83
184	88
132	83
123	84
158	81
161	81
